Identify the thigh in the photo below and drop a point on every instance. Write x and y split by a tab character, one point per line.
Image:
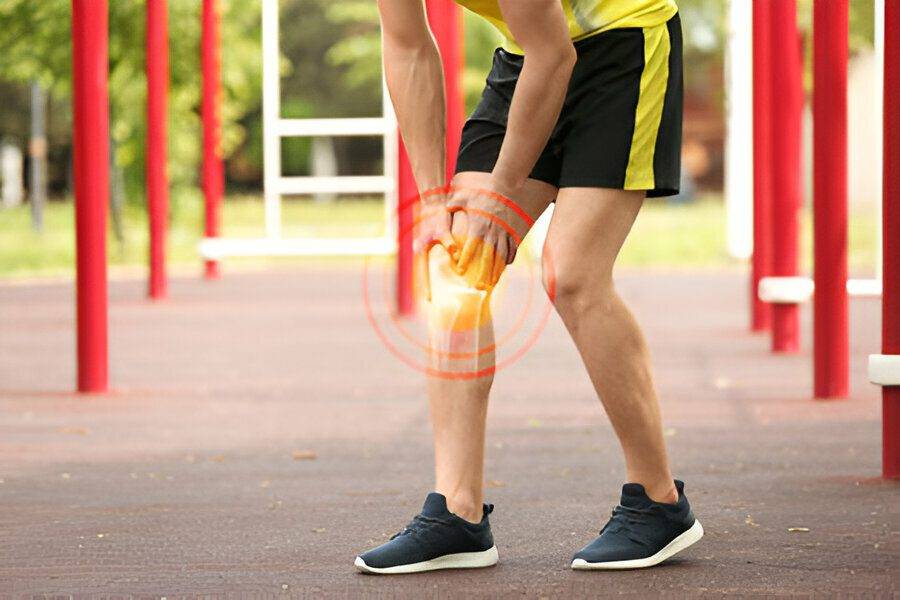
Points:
588	228
535	198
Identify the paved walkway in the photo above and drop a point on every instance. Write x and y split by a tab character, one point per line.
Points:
259	435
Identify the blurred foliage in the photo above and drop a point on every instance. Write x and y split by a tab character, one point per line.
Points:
657	238
331	68
358	52
862	22
35	44
861	34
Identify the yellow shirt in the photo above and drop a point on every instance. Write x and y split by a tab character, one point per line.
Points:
586	17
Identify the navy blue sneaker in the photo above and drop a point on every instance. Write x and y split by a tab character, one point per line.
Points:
434	539
641	532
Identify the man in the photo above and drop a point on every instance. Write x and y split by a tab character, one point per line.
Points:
582	107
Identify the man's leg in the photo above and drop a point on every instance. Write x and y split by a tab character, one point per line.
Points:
459	406
587	231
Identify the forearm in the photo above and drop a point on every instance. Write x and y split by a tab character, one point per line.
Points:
533	114
415	81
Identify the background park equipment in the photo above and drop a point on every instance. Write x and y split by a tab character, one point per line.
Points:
89	43
396	184
777	124
89	24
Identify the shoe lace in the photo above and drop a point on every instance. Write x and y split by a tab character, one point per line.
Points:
419	523
631	521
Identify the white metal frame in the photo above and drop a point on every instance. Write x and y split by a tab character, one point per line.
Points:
796	290
277	185
884	369
739	127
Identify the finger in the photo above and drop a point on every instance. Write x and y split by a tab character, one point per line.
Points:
425	274
459	224
450	245
445	237
468	252
500	259
485	266
511	252
456	202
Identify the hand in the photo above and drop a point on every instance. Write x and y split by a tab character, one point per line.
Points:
485	231
432	228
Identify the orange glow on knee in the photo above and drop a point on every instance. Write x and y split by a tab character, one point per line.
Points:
457	305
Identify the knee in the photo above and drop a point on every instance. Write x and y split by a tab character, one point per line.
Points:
576	289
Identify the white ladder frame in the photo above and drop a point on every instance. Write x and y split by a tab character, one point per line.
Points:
276	185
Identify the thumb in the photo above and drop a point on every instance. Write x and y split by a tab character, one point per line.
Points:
425	273
449	243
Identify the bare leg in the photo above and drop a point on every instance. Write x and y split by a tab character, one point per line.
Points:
459	406
588	229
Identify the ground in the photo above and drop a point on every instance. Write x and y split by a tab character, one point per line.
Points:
258	435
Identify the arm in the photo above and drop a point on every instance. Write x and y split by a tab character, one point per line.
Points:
540	29
415	80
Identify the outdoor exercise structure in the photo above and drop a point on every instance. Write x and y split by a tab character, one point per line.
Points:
90	141
212	177
776	288
157	61
768	209
884	369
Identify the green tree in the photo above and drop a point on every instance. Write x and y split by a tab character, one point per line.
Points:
35	44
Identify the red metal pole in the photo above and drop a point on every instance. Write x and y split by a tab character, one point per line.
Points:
157	180
761	312
787	108
212	174
90	109
890	332
831	344
445	21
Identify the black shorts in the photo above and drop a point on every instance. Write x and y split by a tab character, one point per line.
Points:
620	125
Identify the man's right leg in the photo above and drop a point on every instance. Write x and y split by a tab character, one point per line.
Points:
459	406
453	530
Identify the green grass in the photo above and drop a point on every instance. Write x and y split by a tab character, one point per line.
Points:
694	236
670	236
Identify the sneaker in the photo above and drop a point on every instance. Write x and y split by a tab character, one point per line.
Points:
641	532
434	539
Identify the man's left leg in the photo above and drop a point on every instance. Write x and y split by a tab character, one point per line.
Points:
587	231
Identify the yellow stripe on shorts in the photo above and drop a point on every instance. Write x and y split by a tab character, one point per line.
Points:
639	173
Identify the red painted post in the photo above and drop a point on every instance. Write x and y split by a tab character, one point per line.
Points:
761	312
157	66
90	109
890	315
445	21
212	172
831	343
787	105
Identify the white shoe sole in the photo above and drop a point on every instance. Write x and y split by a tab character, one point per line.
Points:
463	560
684	540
